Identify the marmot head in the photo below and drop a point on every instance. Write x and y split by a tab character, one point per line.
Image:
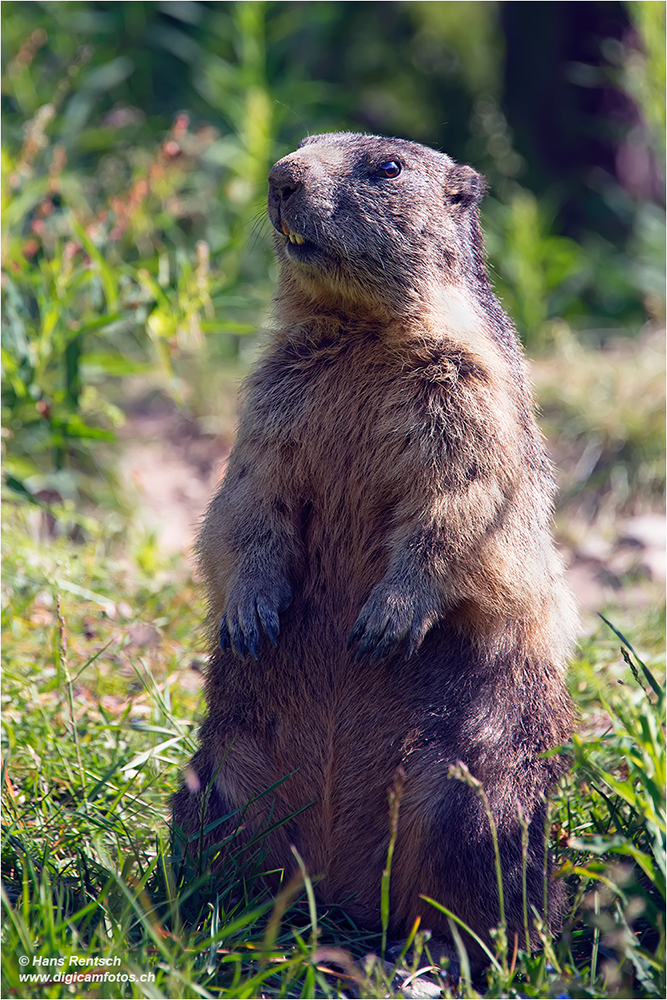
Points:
370	221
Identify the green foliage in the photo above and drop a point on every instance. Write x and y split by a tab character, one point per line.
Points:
128	230
106	80
645	71
623	772
113	277
96	730
77	315
533	265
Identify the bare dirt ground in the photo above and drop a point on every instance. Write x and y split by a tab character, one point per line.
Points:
628	570
174	468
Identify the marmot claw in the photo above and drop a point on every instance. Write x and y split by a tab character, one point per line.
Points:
242	623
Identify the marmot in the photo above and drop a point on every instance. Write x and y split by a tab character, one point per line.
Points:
384	590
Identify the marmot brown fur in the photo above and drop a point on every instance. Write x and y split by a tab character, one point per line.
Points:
383	586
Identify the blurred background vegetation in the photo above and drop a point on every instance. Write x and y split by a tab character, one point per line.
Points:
136	142
136	271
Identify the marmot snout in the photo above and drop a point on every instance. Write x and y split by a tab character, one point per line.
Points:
384	591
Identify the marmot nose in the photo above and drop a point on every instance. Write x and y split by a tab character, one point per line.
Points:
283	181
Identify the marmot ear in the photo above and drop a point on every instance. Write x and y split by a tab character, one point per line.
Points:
464	186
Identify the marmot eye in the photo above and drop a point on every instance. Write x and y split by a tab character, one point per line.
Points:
389	169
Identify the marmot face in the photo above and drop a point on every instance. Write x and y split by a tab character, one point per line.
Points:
359	217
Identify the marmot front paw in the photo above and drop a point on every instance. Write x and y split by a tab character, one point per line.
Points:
248	608
389	616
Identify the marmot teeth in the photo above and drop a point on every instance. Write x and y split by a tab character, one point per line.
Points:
293	237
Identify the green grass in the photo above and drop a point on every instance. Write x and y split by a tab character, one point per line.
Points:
98	727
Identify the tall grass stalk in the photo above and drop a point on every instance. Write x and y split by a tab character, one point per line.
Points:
523	822
395	794
62	649
461	772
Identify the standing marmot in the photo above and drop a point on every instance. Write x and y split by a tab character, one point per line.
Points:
383	586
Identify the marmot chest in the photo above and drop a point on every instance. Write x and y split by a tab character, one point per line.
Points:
345	427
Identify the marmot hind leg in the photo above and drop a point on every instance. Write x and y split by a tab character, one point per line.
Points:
451	860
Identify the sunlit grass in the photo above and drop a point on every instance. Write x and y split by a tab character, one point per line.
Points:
97	728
